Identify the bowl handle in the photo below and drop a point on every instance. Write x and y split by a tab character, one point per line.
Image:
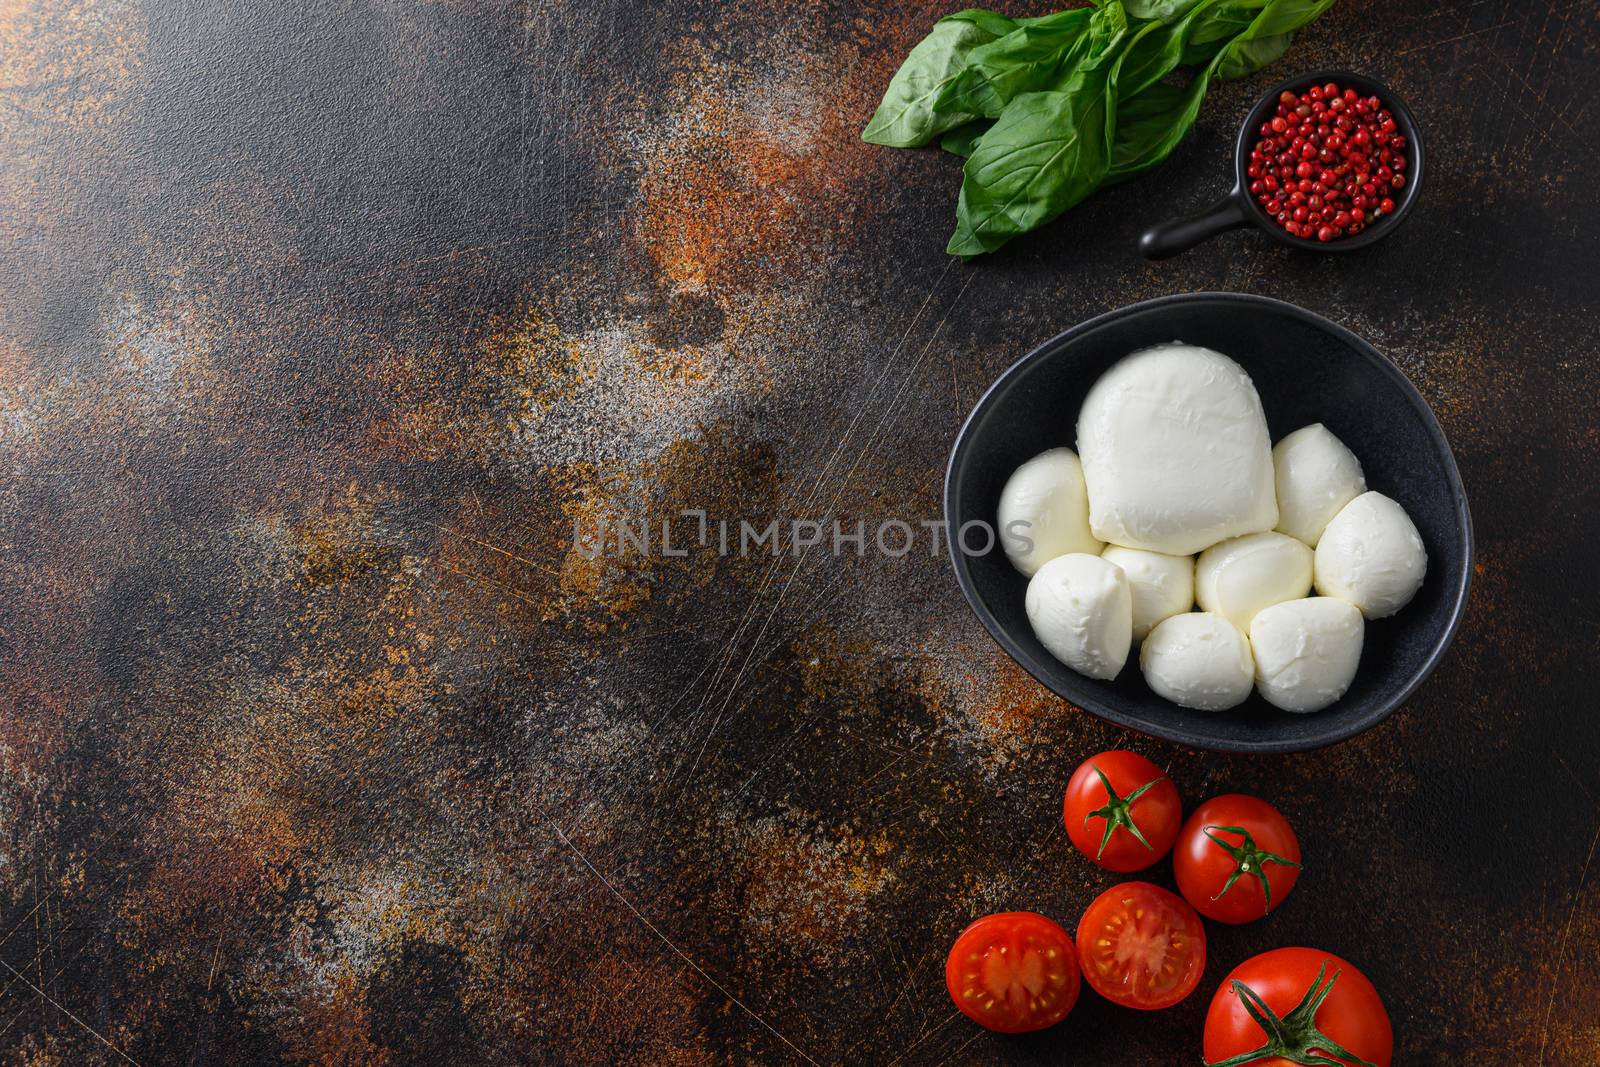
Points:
1179	235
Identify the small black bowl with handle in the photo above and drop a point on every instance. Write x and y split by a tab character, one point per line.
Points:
1239	208
1306	369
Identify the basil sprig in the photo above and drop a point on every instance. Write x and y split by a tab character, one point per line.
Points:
907	117
1047	110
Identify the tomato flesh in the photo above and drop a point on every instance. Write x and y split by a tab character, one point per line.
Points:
1013	972
1141	946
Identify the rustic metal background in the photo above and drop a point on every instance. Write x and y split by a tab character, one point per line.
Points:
319	742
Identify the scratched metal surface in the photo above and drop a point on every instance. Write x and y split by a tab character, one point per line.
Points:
321	743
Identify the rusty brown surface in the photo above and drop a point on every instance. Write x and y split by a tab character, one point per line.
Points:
321	741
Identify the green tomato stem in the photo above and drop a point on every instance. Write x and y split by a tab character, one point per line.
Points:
1118	811
1294	1036
1248	859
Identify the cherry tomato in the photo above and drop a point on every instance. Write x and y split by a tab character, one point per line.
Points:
1324	1011
1013	972
1237	859
1122	811
1141	946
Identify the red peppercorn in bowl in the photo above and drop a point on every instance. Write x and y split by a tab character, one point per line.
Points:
1328	161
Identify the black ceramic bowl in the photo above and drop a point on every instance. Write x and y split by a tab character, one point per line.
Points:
1306	370
1239	208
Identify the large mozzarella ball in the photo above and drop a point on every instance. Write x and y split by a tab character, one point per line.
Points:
1372	556
1175	452
1238	578
1162	585
1306	651
1082	613
1044	511
1198	660
1316	476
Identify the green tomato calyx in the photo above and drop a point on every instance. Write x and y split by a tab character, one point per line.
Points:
1295	1036
1118	811
1248	859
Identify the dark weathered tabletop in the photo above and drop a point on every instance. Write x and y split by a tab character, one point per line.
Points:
322	742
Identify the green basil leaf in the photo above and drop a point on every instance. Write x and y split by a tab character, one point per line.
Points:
906	117
1152	124
1034	56
1155	51
1216	27
1246	56
964	139
1286	16
1164	10
1047	152
1267	36
1109	26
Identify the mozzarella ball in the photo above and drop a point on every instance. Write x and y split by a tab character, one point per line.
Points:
1306	651
1175	452
1161	585
1238	578
1082	613
1044	511
1198	660
1372	556
1316	476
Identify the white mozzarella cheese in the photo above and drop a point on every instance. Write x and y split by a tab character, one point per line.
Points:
1175	452
1198	660
1044	511
1081	611
1372	556
1306	651
1241	576
1161	585
1316	475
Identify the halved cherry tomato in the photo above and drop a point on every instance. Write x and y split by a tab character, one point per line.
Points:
1237	858
1141	946
1323	1010
1013	972
1122	811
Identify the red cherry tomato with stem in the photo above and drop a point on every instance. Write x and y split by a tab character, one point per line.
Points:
1319	1008
1013	972
1236	859
1122	811
1141	946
